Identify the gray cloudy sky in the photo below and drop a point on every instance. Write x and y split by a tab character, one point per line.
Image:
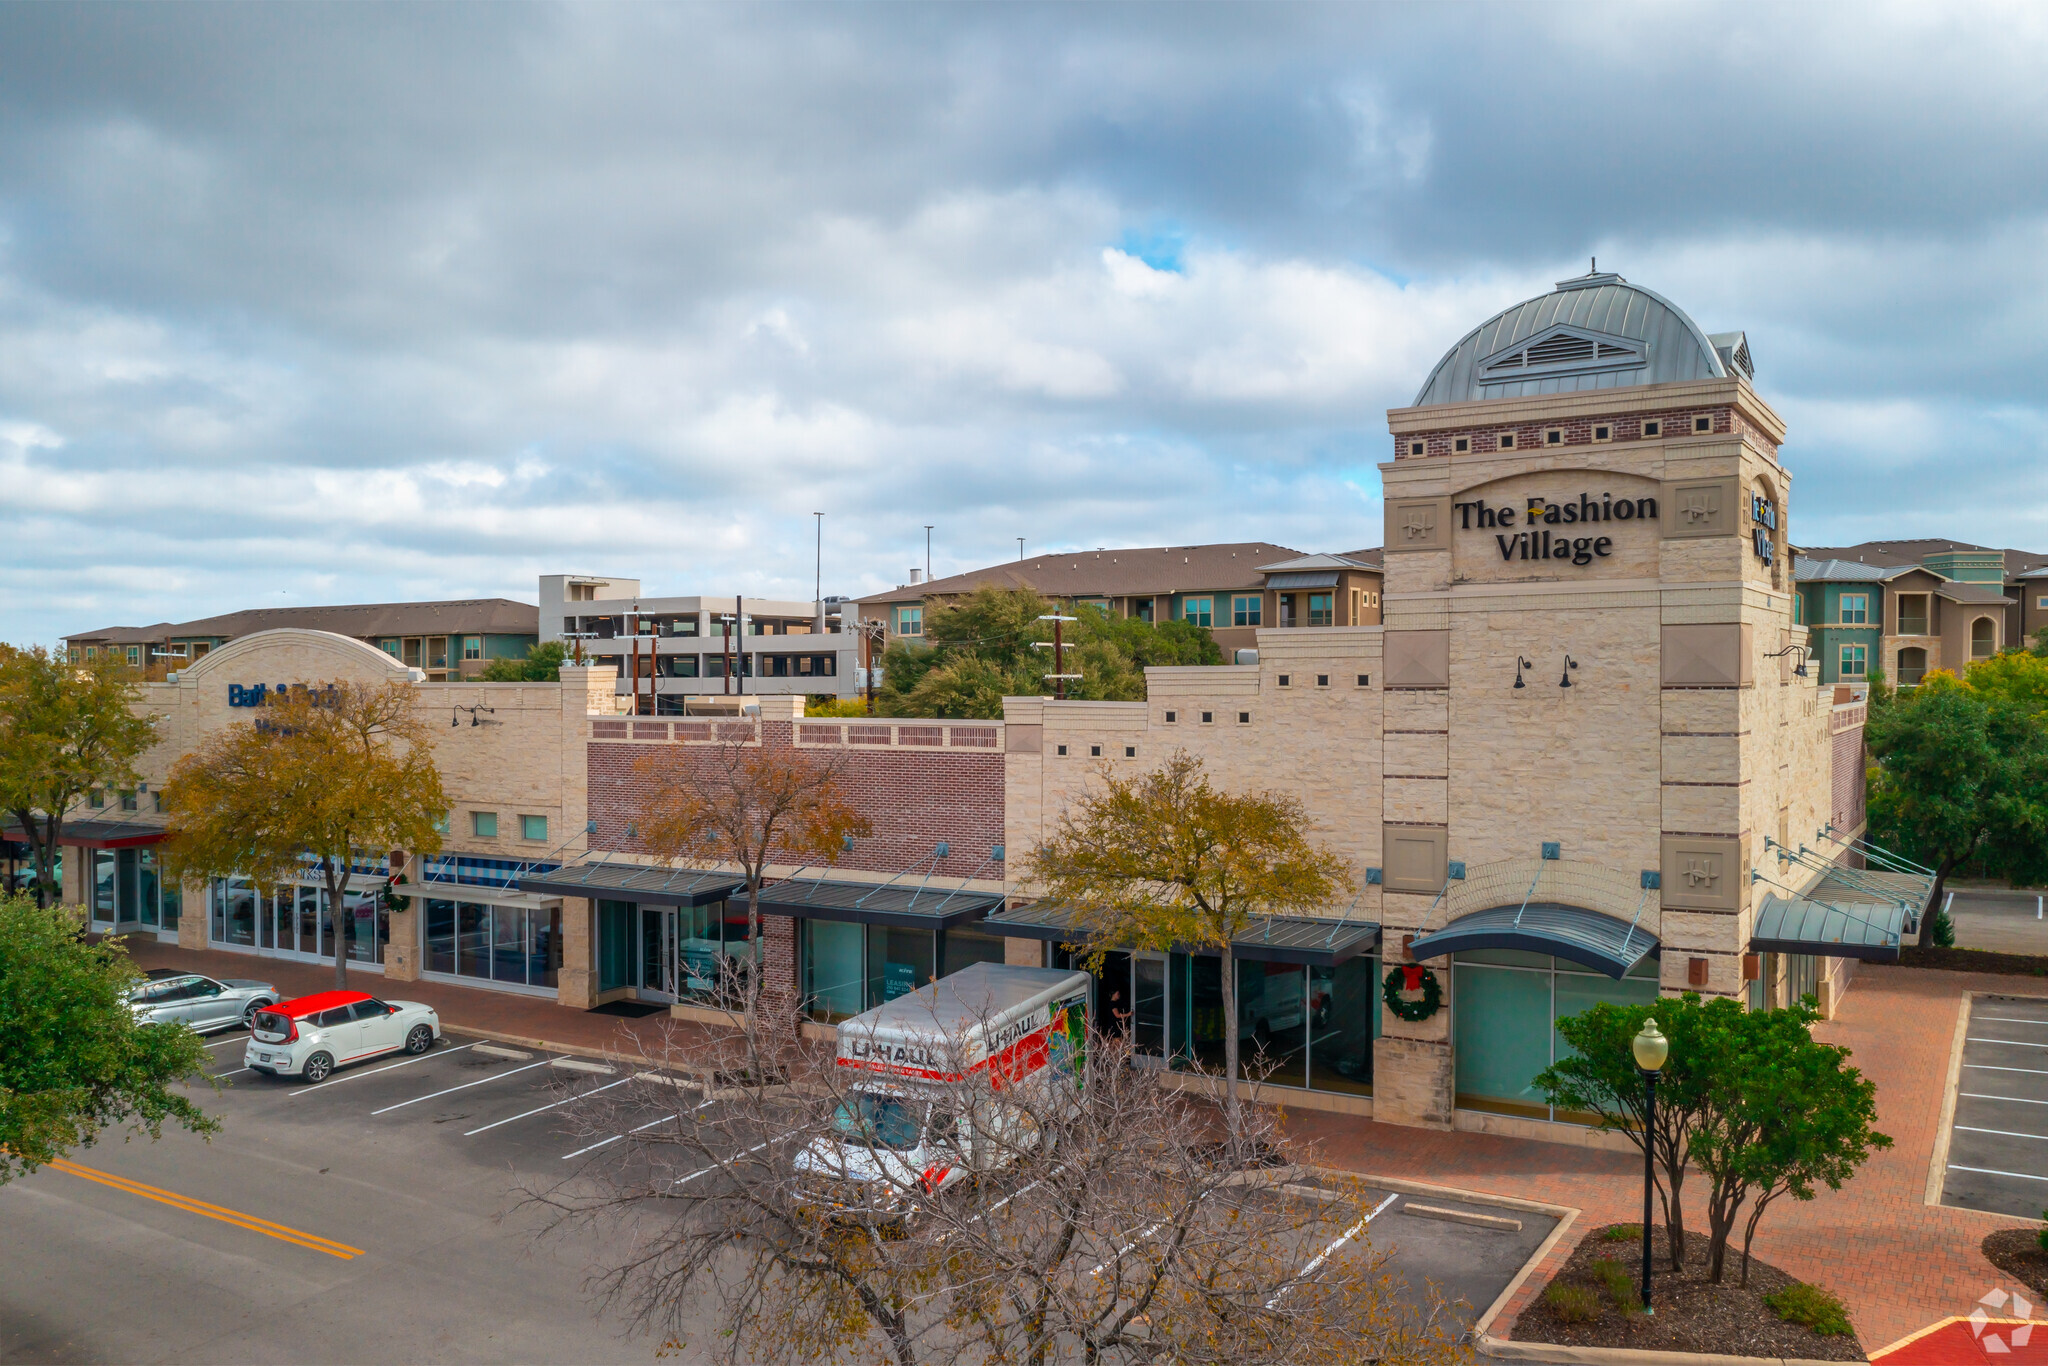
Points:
304	304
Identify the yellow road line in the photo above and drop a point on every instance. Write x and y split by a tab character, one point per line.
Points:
226	1216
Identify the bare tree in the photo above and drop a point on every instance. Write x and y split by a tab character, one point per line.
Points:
971	1217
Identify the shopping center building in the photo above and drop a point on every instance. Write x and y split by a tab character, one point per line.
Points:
1581	759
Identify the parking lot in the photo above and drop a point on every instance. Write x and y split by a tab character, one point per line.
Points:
375	1216
2002	921
1998	1146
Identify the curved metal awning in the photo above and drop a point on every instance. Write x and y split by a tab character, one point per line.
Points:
1869	931
1588	938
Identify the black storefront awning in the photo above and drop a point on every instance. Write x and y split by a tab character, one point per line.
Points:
1585	937
877	903
94	833
1309	940
634	882
1835	929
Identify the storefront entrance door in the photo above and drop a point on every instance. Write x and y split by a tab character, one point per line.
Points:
658	977
1148	996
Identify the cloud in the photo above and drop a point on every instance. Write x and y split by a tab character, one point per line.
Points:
329	303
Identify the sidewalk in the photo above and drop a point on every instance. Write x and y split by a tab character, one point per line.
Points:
1900	1263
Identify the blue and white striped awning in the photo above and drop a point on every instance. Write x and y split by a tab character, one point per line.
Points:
1588	938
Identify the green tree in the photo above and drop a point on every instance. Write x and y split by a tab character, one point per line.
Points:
1748	1097
542	664
1961	773
73	1062
66	730
992	644
1164	858
336	774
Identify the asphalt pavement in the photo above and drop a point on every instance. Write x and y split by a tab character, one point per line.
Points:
1998	1149
2007	922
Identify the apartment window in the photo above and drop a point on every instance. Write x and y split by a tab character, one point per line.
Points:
1855	609
134	655
1208	718
1321	609
92	652
472	647
1322	680
1463	445
1372	598
910	621
1198	611
441	823
1983	638
483	824
2042	602
1603	432
533	827
1653	428
390	647
1913	613
75	656
157	802
437	652
1507	441
128	802
1416	448
1703	424
1912	666
1246	608
95	799
1554	437
1286	680
1854	661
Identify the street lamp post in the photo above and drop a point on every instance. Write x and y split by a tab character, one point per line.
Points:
1651	1048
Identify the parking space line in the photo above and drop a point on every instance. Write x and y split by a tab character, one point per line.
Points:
354	1076
1993	1171
1987	1067
227	1216
221	1042
480	1081
2002	1133
2011	1019
1128	1246
236	1073
2010	1043
1316	1262
580	1096
686	1180
1977	1095
616	1137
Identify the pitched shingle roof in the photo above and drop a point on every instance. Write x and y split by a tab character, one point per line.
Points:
1113	573
474	616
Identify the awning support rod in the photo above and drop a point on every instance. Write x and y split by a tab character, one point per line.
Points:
1814	861
1627	940
1525	896
1896	862
1842	911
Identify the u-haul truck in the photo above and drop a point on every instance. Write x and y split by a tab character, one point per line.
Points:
907	1121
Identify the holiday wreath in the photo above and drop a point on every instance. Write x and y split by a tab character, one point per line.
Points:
1406	978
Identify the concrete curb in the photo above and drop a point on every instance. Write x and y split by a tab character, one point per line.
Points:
1500	1349
1937	1164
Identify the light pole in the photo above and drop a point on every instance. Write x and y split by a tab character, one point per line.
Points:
1651	1048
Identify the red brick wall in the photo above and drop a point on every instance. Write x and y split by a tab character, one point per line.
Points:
914	799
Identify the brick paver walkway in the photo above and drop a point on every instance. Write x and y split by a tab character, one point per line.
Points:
1901	1264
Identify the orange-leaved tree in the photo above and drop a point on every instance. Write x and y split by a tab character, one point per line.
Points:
746	806
331	775
1164	858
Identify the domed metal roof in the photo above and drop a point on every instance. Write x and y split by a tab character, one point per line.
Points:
1595	332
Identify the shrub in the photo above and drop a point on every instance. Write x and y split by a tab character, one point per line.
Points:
1621	1233
1818	1309
1941	930
1572	1303
1621	1287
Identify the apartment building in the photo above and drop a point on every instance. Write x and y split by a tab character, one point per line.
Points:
1908	607
444	640
667	650
1234	589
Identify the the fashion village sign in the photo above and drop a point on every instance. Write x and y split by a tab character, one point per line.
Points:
1525	532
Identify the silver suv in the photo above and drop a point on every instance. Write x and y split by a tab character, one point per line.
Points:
200	1002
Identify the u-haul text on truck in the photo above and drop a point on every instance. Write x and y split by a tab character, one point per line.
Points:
946	1081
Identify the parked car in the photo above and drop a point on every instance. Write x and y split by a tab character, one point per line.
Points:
204	1003
313	1035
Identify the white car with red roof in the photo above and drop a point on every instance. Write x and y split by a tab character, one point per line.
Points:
313	1035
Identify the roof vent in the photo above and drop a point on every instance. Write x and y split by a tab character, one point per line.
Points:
1564	349
1733	349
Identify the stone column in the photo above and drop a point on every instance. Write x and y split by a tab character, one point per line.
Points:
402	954
1412	1077
577	981
192	914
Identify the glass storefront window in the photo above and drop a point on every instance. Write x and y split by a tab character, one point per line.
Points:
103	885
128	891
967	945
614	942
472	940
173	898
1506	1004
312	923
441	936
834	979
238	912
899	961
1272	1030
147	908
1344	1019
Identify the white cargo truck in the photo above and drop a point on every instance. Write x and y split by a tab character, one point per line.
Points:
944	1083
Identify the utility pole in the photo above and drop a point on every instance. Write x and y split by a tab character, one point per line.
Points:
1059	675
739	616
633	657
927	554
1020	550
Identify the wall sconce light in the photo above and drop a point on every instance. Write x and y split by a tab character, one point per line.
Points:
472	714
1800	670
1564	679
1521	664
